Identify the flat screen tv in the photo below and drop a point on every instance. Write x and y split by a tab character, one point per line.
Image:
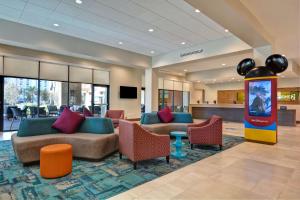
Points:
128	92
260	103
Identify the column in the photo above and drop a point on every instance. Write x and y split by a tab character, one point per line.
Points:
151	90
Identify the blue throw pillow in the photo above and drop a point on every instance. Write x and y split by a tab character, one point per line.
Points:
96	125
181	117
38	126
150	118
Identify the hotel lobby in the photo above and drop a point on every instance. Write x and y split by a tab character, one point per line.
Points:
149	99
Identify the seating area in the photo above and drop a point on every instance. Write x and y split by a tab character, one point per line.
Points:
149	99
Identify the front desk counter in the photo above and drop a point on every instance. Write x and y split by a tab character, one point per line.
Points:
235	113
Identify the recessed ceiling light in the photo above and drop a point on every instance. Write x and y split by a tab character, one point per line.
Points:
56	25
223	64
150	29
185	70
183	43
226	30
197	10
78	1
152	52
120	43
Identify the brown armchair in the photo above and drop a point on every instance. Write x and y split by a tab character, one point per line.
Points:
115	115
208	132
139	144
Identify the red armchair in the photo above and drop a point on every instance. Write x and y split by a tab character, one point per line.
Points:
139	144
115	115
208	132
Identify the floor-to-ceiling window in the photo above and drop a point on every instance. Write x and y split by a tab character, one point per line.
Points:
100	100
20	101
53	97
178	101
143	100
80	95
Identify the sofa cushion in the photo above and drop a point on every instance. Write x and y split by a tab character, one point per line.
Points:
68	122
38	126
180	117
150	118
96	125
165	115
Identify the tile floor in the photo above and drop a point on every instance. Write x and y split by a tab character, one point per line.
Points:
247	171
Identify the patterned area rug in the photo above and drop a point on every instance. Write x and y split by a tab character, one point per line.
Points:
91	180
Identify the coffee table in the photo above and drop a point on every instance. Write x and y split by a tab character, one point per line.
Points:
178	143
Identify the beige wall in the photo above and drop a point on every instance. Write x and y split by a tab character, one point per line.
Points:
125	76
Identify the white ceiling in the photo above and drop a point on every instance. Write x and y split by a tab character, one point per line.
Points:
111	21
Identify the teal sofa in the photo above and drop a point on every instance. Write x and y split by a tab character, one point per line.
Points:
94	139
151	122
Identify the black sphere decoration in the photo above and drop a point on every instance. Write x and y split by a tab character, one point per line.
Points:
277	63
245	66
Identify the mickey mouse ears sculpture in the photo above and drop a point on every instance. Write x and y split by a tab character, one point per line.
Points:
275	63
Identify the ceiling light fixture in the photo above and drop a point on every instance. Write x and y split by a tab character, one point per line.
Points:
226	30
223	64
120	43
183	43
56	25
152	52
197	10
150	29
78	1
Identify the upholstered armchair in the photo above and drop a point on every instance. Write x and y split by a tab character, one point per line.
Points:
208	132
139	144
115	116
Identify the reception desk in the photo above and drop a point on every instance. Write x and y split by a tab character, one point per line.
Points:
235	113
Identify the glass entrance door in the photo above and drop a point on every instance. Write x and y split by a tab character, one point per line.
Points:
100	99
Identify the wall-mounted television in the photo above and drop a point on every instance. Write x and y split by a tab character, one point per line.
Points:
260	98
128	92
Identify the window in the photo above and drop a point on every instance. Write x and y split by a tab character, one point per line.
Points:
20	101
53	97
143	100
100	100
178	101
80	95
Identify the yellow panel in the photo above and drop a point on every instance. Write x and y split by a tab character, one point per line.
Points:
267	136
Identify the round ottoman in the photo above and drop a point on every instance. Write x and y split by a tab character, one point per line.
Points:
55	160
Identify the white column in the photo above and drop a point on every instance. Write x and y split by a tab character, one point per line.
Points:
151	90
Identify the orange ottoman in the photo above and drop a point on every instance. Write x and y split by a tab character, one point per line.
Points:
55	160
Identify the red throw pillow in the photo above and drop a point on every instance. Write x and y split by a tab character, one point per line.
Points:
87	113
165	115
68	122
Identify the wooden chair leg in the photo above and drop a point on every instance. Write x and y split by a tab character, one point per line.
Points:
134	165
120	155
192	146
168	159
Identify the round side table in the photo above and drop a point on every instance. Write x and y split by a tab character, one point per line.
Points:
178	144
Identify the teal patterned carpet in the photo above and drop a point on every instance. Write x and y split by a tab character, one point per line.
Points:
91	180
